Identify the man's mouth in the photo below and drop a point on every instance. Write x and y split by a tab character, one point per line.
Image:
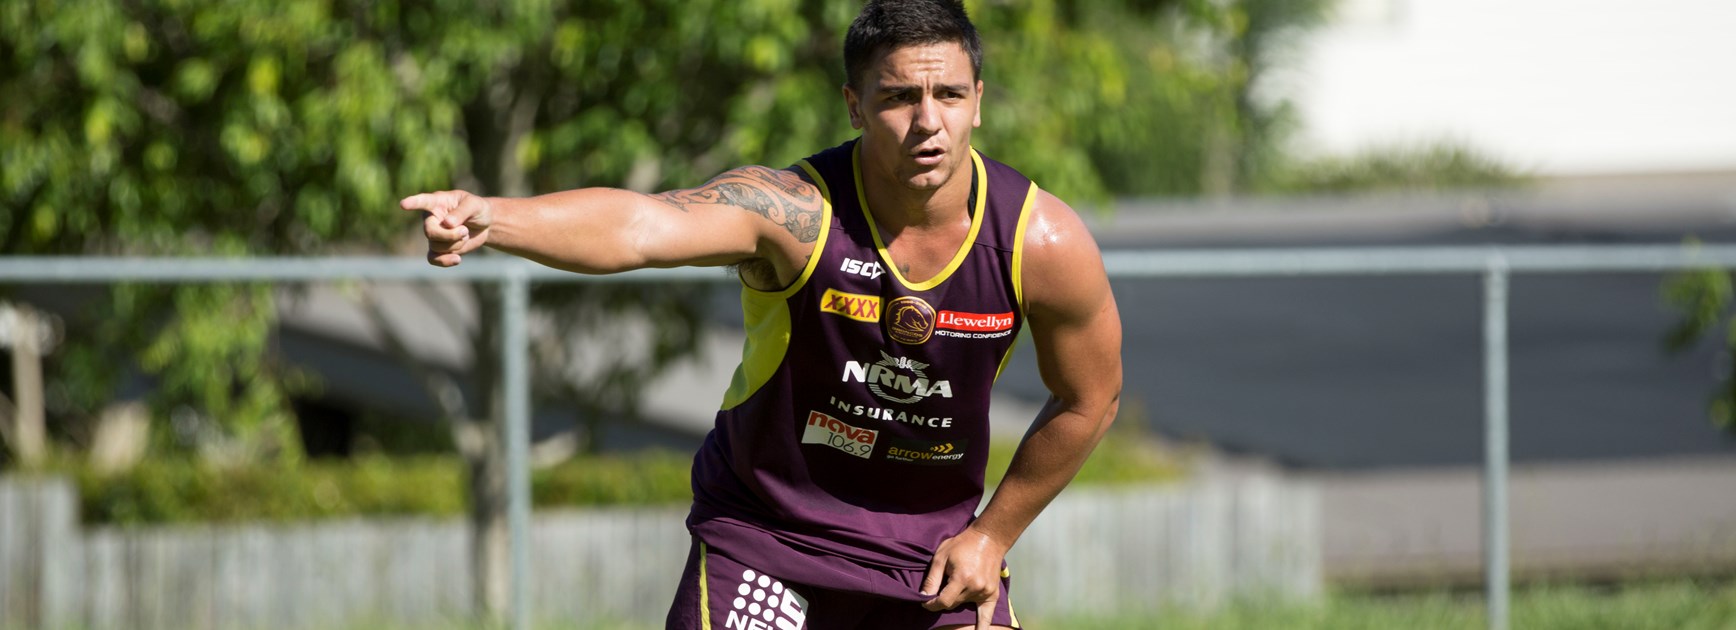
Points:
928	156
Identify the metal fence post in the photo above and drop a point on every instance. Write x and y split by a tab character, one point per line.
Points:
515	377
1495	574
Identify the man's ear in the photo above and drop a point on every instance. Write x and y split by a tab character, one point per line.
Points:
978	121
854	104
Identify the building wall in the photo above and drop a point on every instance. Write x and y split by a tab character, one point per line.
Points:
1564	87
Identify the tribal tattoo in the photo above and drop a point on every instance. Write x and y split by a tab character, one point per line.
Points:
783	197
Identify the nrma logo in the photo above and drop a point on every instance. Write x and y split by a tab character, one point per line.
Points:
897	379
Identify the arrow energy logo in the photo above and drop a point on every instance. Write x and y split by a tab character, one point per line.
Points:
926	452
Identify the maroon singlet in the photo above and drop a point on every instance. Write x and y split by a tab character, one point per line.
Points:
854	436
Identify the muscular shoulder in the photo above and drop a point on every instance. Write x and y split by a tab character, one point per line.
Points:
784	197
1063	268
779	206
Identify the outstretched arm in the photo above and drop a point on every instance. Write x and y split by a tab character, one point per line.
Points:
745	214
1077	333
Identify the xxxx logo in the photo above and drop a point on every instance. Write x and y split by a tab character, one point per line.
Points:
862	308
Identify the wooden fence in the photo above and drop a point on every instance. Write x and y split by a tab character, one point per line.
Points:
1093	550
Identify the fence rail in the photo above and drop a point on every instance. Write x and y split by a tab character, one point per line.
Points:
1494	263
1095	549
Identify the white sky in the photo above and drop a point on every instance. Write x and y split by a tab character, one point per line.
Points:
1556	86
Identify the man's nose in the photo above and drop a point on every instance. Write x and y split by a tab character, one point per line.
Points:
927	120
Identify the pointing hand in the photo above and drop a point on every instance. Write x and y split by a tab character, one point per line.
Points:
457	223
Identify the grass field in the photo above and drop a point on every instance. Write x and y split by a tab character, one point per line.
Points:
1672	605
1663	605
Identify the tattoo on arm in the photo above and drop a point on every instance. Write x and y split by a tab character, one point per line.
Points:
782	197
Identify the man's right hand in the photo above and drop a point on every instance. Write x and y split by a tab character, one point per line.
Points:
457	223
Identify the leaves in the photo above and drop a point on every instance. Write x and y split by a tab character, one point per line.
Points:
1702	299
252	127
1430	167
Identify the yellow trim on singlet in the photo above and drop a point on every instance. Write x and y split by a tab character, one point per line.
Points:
766	315
976	223
1019	271
705	595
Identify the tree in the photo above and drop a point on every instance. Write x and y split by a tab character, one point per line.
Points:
1702	299
1440	166
251	127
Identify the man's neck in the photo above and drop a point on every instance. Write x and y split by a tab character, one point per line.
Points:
896	207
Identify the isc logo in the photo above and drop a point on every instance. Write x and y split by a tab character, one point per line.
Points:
864	269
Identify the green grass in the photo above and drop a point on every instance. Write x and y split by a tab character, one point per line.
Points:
1666	605
1661	605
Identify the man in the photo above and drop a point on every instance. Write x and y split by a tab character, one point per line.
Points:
884	282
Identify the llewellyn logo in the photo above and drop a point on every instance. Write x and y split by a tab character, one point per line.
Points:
891	376
909	320
862	308
975	322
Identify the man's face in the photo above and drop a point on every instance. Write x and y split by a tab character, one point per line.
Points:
916	109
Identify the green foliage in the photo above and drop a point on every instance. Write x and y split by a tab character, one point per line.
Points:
205	128
251	127
1127	455
178	490
1136	98
1702	298
644	478
1435	167
165	490
1702	301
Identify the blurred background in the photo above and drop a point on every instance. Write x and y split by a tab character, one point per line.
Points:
1292	452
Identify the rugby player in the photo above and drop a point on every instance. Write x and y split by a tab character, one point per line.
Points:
884	282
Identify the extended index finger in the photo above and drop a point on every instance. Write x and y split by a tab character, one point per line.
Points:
986	613
438	204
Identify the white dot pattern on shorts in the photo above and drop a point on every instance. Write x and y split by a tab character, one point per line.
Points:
764	598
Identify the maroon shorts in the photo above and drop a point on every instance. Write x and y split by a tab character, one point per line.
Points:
718	592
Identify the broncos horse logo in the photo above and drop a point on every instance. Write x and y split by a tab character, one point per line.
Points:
909	320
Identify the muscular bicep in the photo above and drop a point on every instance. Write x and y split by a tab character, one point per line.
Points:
1071	309
750	213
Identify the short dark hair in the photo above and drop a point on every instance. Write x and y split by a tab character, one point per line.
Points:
885	25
